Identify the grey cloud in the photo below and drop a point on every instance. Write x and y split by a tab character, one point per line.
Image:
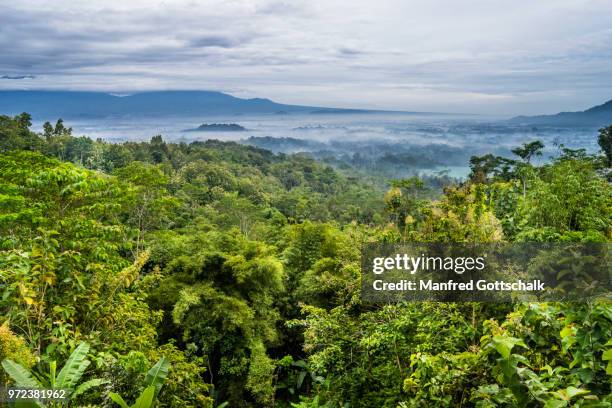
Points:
346	51
386	54
214	41
281	7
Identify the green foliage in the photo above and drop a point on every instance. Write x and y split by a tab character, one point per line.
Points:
560	358
69	377
157	374
528	150
366	356
13	348
487	167
144	400
15	134
20	375
238	272
74	368
224	286
567	201
605	142
153	383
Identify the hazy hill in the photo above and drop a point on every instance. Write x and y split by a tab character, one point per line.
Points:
44	105
217	127
596	116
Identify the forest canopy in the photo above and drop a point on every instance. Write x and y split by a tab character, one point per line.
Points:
214	274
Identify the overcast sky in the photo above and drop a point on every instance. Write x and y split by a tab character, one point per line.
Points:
481	56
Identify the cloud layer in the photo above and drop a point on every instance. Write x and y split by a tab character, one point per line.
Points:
490	56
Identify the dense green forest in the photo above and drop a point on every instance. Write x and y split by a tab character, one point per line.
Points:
214	274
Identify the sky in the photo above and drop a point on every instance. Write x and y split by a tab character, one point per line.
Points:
497	57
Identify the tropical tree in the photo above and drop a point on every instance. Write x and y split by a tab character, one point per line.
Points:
605	142
528	150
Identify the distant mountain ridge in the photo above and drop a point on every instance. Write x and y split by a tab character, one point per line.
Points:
600	115
49	105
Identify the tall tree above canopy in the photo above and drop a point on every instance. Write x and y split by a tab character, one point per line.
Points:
528	150
605	142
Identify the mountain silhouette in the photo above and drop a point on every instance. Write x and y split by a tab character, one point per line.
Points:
49	105
596	116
